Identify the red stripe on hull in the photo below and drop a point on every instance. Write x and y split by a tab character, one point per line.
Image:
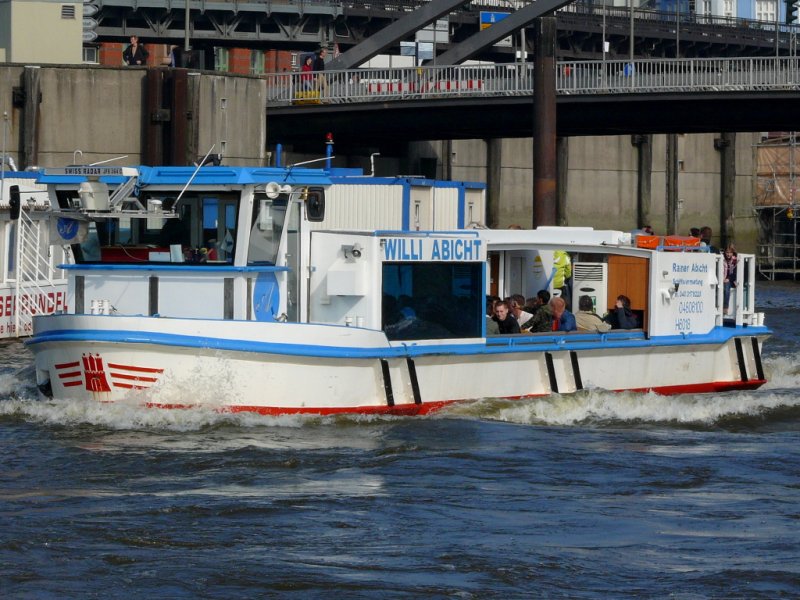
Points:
67	365
400	409
137	369
70	374
701	388
133	377
429	407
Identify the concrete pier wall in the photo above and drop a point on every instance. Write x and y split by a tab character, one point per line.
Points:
55	110
602	179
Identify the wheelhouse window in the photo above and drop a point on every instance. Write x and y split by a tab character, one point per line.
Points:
432	300
265	230
203	232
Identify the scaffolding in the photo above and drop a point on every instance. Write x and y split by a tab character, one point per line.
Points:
776	206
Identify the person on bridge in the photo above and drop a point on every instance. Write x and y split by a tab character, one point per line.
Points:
307	77
135	54
319	68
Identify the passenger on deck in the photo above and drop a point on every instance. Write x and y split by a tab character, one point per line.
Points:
621	316
543	317
505	321
563	320
562	274
705	238
731	259
492	328
588	320
517	304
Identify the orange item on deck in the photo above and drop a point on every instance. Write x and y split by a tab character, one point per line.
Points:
648	241
685	241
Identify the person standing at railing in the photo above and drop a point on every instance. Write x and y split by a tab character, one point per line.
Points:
307	76
319	69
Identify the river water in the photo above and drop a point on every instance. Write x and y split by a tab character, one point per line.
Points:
597	495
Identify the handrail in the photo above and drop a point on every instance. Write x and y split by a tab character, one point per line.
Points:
34	270
641	76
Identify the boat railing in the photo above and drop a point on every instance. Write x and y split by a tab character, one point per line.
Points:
35	272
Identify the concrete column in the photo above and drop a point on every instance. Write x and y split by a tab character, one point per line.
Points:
644	171
726	145
494	163
544	123
31	87
562	169
672	184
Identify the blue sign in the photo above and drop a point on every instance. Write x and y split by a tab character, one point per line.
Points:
67	228
489	18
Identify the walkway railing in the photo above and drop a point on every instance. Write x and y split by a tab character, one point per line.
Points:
572	77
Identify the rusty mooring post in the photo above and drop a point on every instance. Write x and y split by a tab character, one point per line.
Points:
544	123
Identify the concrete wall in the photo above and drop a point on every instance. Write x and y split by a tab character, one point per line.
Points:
232	117
101	112
50	38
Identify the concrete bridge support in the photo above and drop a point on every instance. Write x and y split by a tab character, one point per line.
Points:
671	196
644	170
726	145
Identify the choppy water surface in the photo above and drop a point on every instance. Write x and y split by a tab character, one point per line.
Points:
586	496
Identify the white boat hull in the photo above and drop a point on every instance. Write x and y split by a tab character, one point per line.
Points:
271	370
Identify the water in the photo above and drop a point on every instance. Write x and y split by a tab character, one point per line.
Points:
597	495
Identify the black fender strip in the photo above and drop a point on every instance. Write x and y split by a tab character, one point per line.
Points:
387	382
576	370
551	372
740	358
757	357
412	373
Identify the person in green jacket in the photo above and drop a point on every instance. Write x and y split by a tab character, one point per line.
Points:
562	275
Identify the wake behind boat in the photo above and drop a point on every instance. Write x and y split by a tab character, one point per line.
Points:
293	290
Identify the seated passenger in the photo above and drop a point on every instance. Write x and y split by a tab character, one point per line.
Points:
621	316
517	304
492	328
588	320
563	320
505	321
542	319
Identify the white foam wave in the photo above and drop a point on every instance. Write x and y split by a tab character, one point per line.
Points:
125	416
595	406
782	371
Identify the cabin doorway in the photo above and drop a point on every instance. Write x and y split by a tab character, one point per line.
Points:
219	228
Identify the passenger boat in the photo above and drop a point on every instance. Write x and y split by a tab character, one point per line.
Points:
299	290
32	282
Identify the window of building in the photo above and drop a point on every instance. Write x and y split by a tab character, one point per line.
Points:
727	8
432	300
90	55
221	59
256	62
765	10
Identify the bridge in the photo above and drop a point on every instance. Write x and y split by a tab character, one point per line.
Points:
306	24
387	107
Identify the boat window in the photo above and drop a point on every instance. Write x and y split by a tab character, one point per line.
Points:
203	233
432	300
11	250
266	228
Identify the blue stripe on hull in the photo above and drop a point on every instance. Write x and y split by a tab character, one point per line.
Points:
509	345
